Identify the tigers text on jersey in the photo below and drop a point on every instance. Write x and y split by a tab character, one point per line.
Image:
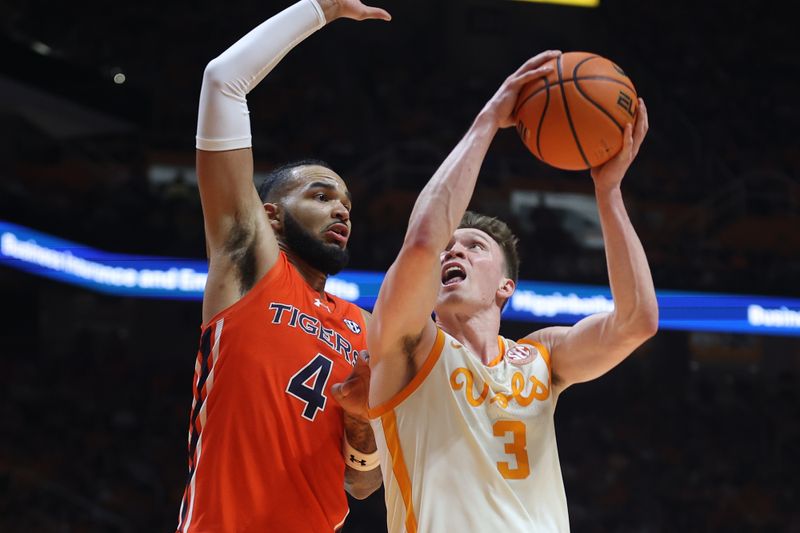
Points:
469	447
265	437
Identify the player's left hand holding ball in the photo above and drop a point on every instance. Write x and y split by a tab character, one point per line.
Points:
610	174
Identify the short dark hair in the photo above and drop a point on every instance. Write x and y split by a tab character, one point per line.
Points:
502	235
275	182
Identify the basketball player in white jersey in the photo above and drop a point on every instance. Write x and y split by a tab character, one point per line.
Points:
462	416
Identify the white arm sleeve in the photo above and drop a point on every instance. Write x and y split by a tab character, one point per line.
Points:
223	121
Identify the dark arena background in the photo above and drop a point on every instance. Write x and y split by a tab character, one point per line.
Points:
697	431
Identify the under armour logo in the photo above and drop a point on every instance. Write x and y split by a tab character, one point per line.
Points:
354	327
318	303
353	459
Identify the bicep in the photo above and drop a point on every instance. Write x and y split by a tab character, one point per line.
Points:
232	210
405	301
240	243
402	332
585	351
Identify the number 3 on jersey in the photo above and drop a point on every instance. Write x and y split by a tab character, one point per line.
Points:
308	385
517	447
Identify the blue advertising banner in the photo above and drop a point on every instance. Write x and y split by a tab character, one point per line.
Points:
551	303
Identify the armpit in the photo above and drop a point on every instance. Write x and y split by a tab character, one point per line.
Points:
410	344
240	249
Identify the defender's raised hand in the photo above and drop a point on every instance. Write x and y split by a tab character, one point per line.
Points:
352	9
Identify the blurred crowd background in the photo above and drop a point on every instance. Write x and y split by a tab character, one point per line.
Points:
98	107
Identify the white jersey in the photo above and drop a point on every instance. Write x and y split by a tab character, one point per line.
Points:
472	448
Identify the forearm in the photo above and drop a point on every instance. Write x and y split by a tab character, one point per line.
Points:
629	275
409	290
445	198
359	435
223	121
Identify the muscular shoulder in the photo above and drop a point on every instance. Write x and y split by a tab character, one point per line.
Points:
546	340
547	337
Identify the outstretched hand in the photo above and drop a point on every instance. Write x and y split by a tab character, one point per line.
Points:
352	9
610	174
353	393
502	104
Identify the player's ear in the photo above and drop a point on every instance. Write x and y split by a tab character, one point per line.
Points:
506	289
274	215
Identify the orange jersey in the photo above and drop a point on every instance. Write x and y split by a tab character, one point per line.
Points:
265	436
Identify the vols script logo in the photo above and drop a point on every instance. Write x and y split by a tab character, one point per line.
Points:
476	391
521	354
354	327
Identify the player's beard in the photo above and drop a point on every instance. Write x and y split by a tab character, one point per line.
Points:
326	257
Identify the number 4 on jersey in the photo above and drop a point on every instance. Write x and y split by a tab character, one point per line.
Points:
308	385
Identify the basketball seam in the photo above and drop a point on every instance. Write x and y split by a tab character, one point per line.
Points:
581	62
586	60
584	78
598	106
569	116
576	78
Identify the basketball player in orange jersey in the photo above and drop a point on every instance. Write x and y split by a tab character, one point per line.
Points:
463	418
268	449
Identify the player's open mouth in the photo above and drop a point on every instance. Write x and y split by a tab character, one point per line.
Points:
453	274
338	233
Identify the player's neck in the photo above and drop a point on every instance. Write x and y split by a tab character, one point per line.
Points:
476	330
313	277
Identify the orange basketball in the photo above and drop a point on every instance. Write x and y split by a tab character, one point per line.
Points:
574	118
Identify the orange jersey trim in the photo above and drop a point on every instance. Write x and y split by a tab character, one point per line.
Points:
414	384
502	348
399	468
543	351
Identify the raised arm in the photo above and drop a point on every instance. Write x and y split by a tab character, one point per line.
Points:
402	329
241	244
599	342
